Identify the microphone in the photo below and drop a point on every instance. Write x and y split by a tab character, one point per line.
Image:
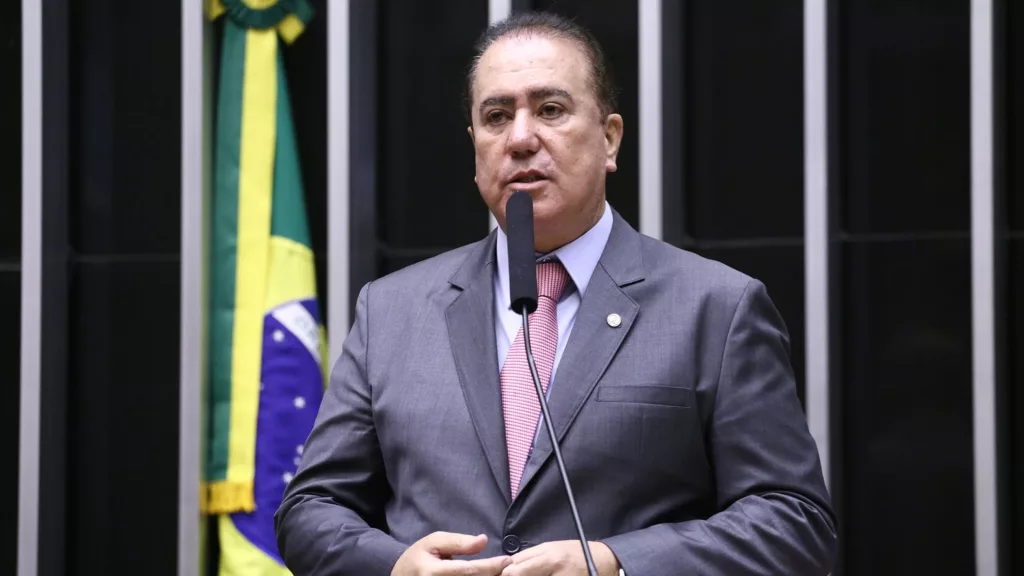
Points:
522	268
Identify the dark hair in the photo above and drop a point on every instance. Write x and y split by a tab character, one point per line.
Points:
553	26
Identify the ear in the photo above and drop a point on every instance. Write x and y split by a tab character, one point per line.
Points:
469	130
612	140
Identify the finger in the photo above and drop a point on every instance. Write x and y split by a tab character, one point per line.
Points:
449	543
536	566
480	567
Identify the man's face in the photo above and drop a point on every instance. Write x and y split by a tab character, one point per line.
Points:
537	127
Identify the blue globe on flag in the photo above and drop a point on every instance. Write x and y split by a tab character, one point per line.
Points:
290	393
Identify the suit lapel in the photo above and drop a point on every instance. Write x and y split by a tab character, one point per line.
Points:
470	321
593	342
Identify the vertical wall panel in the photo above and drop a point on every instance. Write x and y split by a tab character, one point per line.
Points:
1012	74
427	200
651	117
10	277
10	398
983	292
1010	77
744	75
739	191
907	389
817	394
900	181
124	417
123	313
354	149
1014	366
10	120
343	271
906	123
196	145
121	72
498	10
45	275
674	128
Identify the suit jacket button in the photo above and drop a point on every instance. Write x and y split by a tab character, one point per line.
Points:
511	544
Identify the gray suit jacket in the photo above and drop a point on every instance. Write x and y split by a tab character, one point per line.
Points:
681	430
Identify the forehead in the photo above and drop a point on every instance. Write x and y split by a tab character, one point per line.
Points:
522	62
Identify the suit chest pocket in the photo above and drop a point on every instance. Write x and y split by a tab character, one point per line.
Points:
654	395
643	427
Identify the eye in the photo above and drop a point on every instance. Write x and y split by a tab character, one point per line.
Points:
495	117
551	111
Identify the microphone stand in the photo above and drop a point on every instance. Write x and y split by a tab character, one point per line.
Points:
591	569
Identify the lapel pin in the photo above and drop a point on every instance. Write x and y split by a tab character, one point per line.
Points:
614	320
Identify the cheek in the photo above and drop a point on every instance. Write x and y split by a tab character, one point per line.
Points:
582	147
486	163
581	158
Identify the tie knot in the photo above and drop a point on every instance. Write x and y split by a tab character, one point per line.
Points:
552	278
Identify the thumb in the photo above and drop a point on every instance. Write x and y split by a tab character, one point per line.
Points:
450	543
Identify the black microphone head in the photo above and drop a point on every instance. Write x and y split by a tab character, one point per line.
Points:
522	262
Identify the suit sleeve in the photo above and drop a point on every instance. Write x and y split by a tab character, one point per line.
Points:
331	519
774	513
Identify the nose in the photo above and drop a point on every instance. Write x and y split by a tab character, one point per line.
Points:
522	138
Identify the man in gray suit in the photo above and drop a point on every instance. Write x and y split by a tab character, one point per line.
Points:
670	389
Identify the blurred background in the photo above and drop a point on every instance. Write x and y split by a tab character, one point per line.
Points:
860	157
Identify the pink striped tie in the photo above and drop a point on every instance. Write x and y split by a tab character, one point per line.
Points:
518	395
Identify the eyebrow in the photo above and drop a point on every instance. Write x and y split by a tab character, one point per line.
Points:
537	94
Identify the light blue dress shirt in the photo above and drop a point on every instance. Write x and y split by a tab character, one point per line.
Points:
580	258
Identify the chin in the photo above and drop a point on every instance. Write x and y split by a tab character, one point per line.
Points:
547	208
546	213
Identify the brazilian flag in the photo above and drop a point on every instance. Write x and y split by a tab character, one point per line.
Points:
266	343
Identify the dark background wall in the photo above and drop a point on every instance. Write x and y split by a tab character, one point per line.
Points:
900	190
10	278
426	201
1010	223
123	294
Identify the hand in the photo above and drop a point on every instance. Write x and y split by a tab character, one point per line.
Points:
431	556
562	558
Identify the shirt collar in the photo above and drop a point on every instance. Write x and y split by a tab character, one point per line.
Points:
580	257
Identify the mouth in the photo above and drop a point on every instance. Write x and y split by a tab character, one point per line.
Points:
527	180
